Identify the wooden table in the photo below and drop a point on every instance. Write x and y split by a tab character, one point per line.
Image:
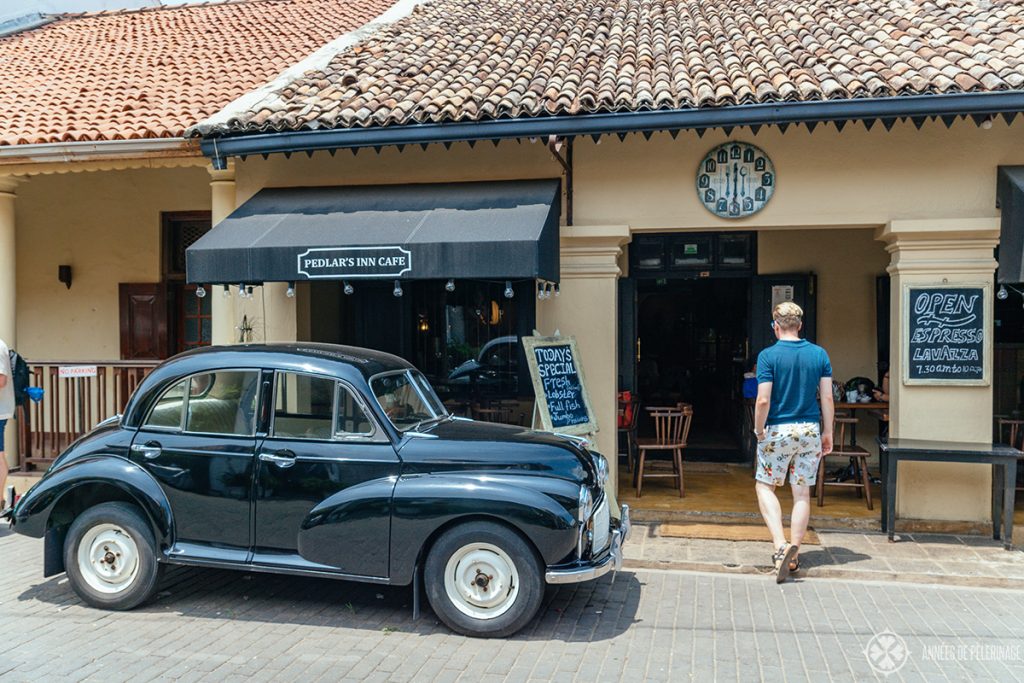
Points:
853	407
1004	475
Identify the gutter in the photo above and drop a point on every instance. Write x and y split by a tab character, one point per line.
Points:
93	151
887	109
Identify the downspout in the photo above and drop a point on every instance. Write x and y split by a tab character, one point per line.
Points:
555	146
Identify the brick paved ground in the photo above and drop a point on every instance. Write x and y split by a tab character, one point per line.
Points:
641	625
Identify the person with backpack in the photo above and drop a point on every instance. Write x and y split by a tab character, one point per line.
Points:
7	405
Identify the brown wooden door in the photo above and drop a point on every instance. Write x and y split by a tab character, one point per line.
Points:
143	310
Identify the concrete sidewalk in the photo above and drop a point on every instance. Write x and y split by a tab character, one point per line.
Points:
862	555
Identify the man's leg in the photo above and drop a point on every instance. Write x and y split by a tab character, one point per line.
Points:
771	511
801	513
3	478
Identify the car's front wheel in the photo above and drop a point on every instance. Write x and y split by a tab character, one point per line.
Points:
110	557
484	580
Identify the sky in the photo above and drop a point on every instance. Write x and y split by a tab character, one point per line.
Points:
12	9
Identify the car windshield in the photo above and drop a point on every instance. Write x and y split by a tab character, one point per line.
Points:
407	398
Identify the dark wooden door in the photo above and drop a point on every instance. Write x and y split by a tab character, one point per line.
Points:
143	312
627	334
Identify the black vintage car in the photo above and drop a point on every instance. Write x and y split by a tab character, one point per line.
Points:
329	461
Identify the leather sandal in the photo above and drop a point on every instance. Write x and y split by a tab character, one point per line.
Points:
783	557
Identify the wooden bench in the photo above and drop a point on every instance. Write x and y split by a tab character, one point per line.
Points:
1004	475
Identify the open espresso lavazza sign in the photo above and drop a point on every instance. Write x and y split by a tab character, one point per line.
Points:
562	400
945	328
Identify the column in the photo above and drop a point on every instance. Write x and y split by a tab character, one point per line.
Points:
587	309
938	252
222	190
8	289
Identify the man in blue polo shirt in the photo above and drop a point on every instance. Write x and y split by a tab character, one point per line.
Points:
793	424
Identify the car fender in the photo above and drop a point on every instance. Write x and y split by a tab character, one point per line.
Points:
425	504
32	514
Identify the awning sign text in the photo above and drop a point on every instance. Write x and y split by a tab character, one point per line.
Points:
352	263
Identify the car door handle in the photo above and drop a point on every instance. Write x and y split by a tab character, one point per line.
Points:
148	451
280	458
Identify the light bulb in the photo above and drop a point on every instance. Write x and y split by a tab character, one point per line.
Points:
540	290
348	287
1002	293
290	292
557	292
200	291
398	288
241	290
248	292
449	286
509	293
227	292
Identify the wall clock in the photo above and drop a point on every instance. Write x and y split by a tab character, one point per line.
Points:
735	180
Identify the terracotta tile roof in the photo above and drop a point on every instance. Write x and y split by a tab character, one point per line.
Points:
463	60
152	73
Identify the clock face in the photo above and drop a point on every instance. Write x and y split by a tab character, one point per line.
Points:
735	180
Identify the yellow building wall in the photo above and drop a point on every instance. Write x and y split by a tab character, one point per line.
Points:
825	179
846	263
106	226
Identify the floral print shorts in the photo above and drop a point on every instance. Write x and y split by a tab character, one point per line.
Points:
793	448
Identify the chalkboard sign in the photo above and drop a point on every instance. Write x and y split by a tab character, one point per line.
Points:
562	401
945	334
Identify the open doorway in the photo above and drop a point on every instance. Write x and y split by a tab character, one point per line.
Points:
692	348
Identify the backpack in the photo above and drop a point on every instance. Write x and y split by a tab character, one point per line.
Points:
20	376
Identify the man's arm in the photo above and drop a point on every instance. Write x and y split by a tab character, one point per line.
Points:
828	413
761	406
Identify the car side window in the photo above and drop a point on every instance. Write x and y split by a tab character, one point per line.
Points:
166	414
352	419
222	402
303	406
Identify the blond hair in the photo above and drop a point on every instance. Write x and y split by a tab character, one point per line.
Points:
788	315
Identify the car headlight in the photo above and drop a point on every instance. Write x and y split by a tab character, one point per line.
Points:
601	465
586	508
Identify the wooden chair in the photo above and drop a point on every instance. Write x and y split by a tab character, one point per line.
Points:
842	449
671	431
630	409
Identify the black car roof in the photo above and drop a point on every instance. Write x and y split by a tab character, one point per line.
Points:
349	363
366	361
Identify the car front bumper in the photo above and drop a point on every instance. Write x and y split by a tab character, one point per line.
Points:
588	570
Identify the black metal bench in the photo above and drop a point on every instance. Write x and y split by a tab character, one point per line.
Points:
1004	475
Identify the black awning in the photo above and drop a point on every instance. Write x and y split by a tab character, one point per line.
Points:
499	230
1010	200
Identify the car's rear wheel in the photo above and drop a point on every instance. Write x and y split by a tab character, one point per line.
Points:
483	579
110	557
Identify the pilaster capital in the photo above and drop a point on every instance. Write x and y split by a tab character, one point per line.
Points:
941	246
9	183
225	175
589	251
